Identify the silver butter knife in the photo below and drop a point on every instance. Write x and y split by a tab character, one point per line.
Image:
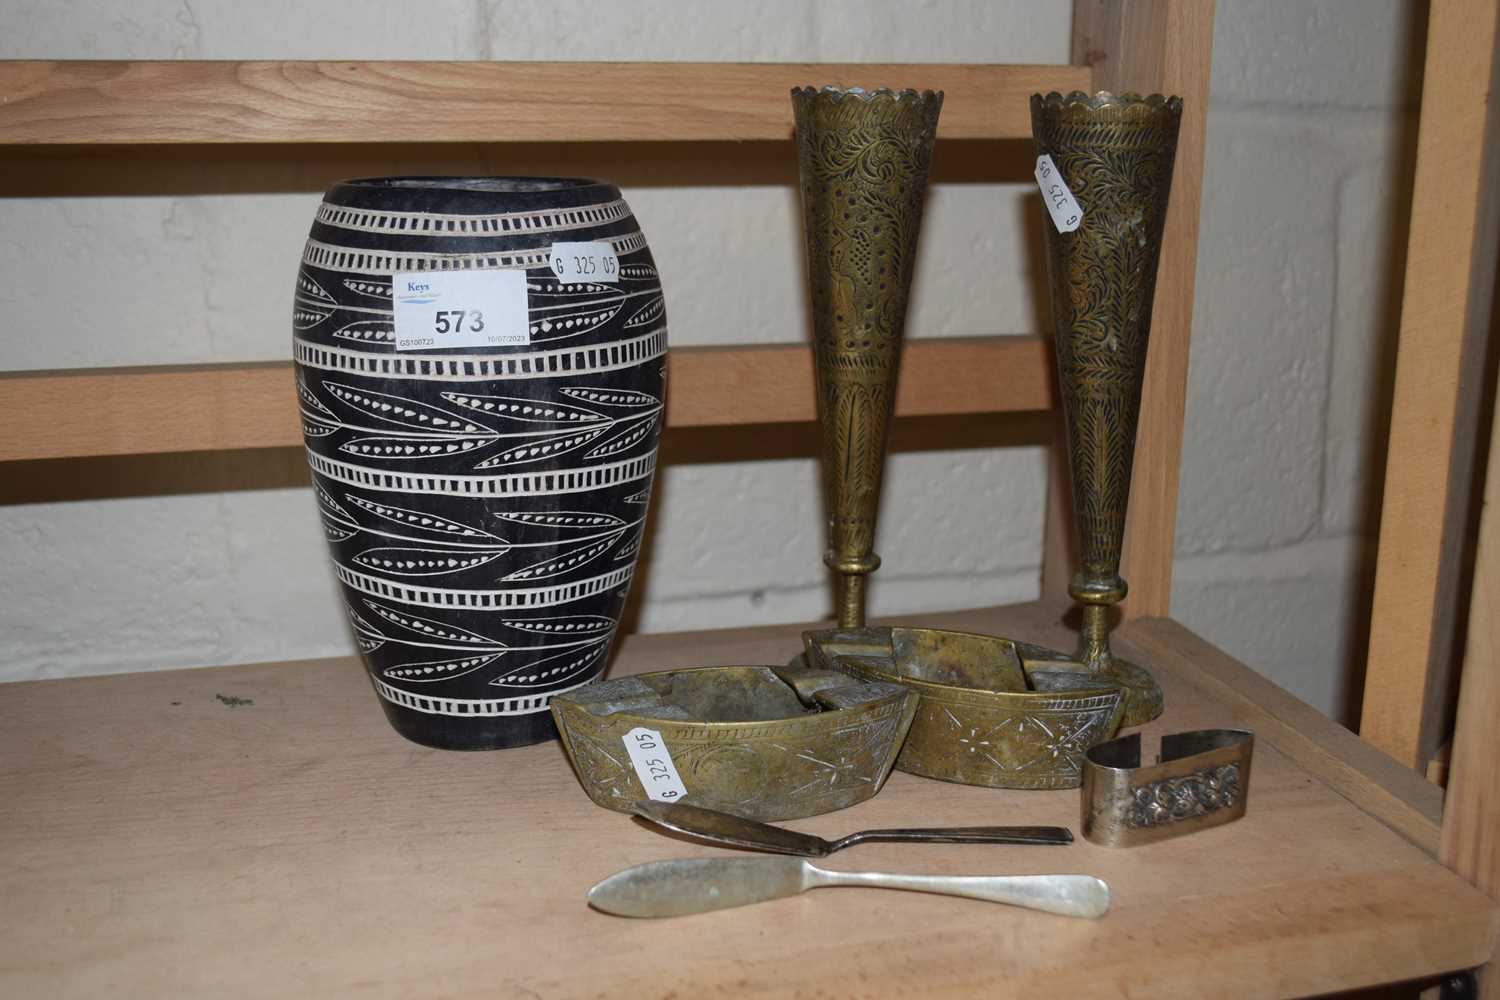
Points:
698	885
724	828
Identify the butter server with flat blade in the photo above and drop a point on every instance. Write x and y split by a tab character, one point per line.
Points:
723	828
698	885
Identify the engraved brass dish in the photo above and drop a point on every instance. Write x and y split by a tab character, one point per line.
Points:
994	712
1115	155
767	743
1202	780
863	157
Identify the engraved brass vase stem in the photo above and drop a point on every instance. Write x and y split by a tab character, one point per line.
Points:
864	158
1115	155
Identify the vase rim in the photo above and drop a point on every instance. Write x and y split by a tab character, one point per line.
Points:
471	194
1106	99
866	94
485	184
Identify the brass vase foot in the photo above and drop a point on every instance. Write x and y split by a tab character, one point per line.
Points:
1144	700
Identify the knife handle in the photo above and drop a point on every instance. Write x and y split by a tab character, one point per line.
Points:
1065	895
961	835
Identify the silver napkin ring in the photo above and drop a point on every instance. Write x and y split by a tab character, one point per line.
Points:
1202	780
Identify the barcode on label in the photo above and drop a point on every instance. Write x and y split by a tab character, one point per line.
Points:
1061	205
653	765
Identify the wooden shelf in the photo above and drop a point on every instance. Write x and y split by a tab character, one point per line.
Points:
128	411
162	842
93	103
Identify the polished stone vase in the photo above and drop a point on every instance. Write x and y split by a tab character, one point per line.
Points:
863	158
1114	155
480	364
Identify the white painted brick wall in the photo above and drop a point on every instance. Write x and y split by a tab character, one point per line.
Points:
1302	212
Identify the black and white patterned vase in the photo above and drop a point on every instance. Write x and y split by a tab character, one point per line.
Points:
481	367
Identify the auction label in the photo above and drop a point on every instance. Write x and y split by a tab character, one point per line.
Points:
439	309
585	262
1061	205
653	765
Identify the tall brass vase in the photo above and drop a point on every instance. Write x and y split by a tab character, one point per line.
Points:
864	157
1115	156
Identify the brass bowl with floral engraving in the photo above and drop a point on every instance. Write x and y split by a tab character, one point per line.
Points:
769	743
993	712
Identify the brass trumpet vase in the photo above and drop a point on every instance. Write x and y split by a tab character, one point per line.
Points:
993	712
1112	155
766	743
863	158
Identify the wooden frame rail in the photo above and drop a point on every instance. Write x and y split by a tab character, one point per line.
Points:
1428	504
129	411
98	103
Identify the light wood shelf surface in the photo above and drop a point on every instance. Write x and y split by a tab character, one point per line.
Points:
161	842
128	411
93	103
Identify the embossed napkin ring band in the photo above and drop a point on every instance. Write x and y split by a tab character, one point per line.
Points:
1202	780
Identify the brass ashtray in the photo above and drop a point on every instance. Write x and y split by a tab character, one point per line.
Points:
768	743
993	712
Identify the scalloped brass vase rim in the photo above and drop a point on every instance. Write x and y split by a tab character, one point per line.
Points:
765	742
836	93
1106	99
994	711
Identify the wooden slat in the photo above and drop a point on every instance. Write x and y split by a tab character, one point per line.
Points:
322	102
1144	46
1445	314
1471	821
939	377
140	411
129	411
160	842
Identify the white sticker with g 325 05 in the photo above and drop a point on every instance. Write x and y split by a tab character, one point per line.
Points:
653	765
438	309
1061	205
585	262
